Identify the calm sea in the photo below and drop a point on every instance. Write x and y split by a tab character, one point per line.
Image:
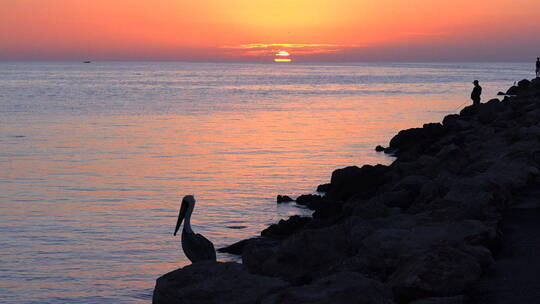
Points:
94	158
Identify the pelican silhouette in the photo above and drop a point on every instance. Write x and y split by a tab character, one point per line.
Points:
196	247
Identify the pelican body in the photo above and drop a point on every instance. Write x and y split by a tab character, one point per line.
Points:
196	247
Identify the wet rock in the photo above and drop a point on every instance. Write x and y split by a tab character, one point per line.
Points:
307	199
283	199
343	287
443	271
379	148
214	282
286	227
324	187
238	247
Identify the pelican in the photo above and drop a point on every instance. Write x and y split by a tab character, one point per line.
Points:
196	247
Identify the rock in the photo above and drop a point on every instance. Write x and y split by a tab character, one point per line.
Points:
379	148
468	111
302	256
416	138
324	187
430	191
400	198
482	254
373	208
214	282
286	227
351	181
283	199
450	122
412	183
327	210
501	93
339	176
442	300
317	202
490	110
238	247
514	90
443	271
343	287
535	83
525	83
307	199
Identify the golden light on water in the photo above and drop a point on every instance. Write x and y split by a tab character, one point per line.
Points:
283	56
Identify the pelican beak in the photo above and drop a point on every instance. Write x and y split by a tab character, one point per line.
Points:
181	215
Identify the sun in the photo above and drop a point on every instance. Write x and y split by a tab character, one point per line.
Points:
283	56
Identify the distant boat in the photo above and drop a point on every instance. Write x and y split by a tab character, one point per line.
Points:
87	61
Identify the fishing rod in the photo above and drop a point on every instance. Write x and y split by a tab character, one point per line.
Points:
461	105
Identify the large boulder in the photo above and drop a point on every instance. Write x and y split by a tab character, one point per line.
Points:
302	256
351	181
514	90
525	83
441	271
339	288
489	111
283	199
238	247
416	138
213	283
286	227
308	200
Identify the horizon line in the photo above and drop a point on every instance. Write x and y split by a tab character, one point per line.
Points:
263	61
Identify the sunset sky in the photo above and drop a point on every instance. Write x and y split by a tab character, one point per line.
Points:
250	30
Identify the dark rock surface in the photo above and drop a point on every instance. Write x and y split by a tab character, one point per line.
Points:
339	288
323	187
514	278
214	282
286	227
238	247
422	230
283	199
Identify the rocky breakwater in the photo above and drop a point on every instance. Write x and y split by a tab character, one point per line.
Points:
421	230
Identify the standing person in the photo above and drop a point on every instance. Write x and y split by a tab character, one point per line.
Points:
538	67
476	92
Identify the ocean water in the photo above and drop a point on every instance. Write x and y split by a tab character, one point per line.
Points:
94	158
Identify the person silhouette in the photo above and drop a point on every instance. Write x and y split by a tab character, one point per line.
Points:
537	66
476	92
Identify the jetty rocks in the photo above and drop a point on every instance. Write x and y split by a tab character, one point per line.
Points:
421	230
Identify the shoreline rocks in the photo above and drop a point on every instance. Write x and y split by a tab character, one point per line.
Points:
421	230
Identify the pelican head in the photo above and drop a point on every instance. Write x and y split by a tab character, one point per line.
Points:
188	203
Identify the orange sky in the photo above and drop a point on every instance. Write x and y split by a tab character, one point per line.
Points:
329	30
